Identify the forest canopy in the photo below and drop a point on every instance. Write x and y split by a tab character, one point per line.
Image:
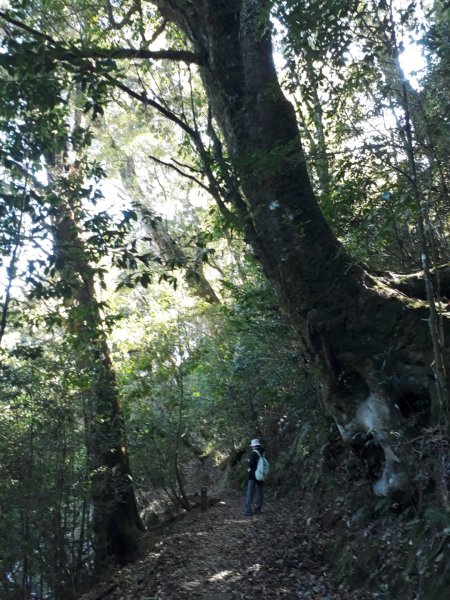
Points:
219	219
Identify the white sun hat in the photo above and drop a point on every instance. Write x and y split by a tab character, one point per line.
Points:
255	442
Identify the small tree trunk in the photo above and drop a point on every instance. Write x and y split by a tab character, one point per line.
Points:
170	250
115	517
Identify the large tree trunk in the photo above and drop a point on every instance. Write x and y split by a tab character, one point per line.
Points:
373	342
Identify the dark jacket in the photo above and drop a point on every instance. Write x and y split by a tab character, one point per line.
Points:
253	462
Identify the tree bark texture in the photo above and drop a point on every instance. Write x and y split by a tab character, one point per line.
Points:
372	341
115	516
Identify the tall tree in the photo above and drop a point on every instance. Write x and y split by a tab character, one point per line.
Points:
361	328
116	520
372	343
30	154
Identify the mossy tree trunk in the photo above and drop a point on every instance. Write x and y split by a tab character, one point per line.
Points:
372	342
116	521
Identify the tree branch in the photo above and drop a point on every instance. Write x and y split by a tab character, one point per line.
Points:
158	31
116	24
72	52
175	168
27	28
129	53
149	102
184	166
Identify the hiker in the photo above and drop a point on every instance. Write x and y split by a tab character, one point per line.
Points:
254	487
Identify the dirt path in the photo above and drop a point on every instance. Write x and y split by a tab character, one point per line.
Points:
222	555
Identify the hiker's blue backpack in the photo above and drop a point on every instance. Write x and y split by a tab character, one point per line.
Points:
262	469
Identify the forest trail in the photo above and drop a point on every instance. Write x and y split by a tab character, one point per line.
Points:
220	554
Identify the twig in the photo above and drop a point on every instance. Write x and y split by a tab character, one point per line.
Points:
172	166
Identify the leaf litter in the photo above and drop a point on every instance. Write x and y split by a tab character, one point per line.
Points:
220	554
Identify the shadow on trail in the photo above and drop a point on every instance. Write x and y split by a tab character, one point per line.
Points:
220	554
